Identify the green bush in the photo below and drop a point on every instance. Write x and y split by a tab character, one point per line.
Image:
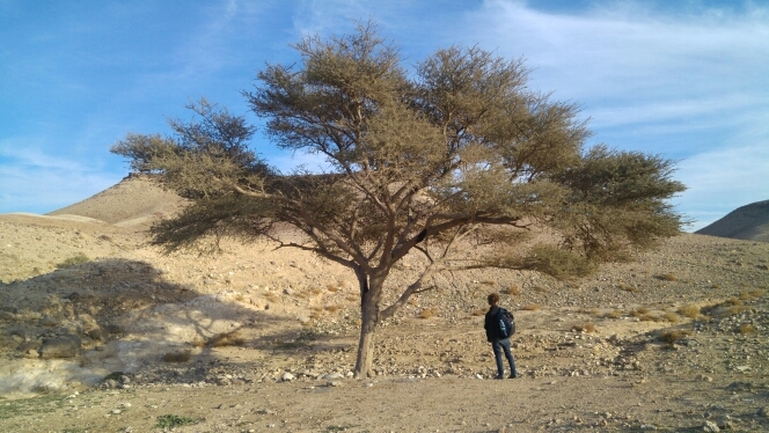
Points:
172	421
78	259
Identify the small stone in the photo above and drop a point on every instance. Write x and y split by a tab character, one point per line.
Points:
49	321
710	426
287	377
65	346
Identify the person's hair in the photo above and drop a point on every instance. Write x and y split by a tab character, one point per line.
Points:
493	299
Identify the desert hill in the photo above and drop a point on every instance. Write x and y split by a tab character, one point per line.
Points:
136	201
750	222
101	331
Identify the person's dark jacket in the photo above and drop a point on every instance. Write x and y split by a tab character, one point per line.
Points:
491	325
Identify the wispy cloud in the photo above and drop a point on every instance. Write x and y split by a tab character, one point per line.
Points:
34	180
689	84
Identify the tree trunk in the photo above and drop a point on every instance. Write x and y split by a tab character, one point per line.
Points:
369	308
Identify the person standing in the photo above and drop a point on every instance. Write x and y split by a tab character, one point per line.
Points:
498	342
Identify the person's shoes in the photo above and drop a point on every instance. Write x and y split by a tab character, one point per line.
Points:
499	376
514	376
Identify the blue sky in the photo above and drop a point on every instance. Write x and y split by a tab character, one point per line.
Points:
686	79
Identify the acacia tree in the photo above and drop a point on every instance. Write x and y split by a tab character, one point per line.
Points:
425	162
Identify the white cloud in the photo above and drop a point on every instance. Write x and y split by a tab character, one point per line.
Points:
36	181
690	84
723	180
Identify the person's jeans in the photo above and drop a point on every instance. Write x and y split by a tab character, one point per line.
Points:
498	346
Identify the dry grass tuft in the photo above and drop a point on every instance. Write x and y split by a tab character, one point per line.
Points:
668	277
332	308
226	339
586	327
671	336
747	328
532	307
177	357
690	311
614	314
512	290
671	317
479	312
75	260
752	294
628	288
429	312
639	312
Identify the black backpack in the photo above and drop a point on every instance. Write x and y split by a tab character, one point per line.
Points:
506	323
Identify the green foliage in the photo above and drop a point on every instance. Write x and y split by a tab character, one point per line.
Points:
75	260
173	421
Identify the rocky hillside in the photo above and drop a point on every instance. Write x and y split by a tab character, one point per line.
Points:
750	222
258	338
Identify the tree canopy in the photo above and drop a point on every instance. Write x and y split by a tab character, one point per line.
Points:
419	161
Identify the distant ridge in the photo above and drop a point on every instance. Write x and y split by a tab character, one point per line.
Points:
750	222
136	201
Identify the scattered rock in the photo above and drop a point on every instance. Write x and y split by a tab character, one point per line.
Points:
64	346
710	427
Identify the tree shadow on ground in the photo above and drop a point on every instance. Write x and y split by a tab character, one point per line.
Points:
129	318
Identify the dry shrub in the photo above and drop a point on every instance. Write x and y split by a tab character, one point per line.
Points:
272	297
690	311
332	288
594	312
488	282
668	277
736	306
640	311
177	356
729	307
671	317
586	327
428	313
753	294
512	290
561	264
317	312
624	286
75	260
479	312
532	307
316	291
614	314
352	298
226	339
671	336
332	308
747	328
